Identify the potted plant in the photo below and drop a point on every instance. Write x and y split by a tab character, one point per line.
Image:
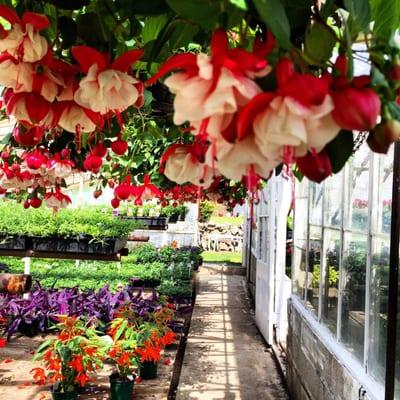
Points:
153	336
123	354
69	358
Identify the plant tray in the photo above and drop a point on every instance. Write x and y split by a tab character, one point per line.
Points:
9	242
81	245
152	223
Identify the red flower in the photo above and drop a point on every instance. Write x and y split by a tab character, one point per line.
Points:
124	359
39	375
168	338
315	166
3	342
82	379
76	364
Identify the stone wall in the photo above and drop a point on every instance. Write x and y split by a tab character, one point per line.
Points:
221	237
313	371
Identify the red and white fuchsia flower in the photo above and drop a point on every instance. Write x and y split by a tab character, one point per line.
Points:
183	163
213	88
107	87
296	116
23	41
56	199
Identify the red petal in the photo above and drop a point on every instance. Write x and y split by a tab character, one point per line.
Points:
124	62
95	117
219	43
265	47
284	70
37	107
87	56
315	167
250	111
184	61
9	14
38	21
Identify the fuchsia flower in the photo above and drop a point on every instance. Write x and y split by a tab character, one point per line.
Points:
15	75
74	118
315	166
297	116
28	137
124	190
119	146
35	161
93	163
58	167
28	108
147	191
213	88
107	87
23	40
357	107
56	199
183	163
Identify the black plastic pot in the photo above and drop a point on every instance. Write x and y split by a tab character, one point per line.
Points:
56	395
120	389
11	242
29	330
79	245
148	370
173	218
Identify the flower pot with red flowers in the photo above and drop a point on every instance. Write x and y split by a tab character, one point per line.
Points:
69	358
153	337
123	354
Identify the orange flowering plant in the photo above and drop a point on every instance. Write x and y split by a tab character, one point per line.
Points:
71	356
123	349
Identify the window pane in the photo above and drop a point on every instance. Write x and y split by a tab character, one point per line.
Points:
300	239
333	201
358	191
378	308
353	296
314	267
330	285
380	246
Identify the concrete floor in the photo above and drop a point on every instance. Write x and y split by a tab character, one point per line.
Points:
225	357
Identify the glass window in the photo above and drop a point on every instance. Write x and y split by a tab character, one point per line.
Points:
330	283
314	267
300	228
358	187
333	201
353	293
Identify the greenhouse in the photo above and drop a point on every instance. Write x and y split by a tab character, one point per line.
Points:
199	200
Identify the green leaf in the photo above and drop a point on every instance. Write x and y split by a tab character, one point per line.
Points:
152	27
6	138
144	7
239	4
204	12
378	79
319	43
274	15
181	34
394	110
340	149
386	14
360	12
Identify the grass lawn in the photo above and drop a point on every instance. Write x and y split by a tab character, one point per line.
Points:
227	220
222	257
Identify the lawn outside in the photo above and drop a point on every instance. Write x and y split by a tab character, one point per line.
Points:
222	257
238	221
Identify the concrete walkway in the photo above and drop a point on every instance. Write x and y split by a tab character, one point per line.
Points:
225	357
